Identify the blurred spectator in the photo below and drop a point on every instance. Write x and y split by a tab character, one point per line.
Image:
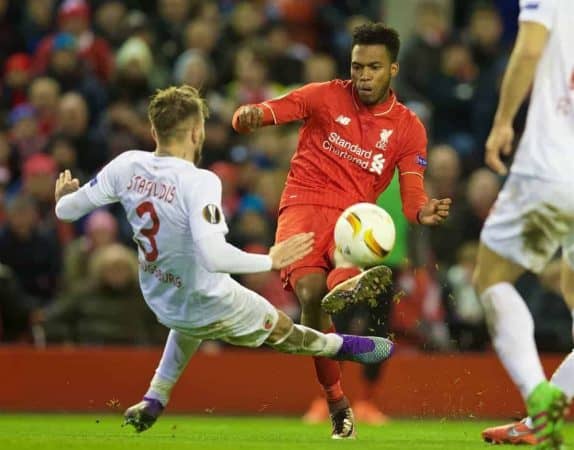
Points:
15	308
101	230
9	168
30	252
73	123
452	93
66	67
229	175
109	21
443	177
421	56
319	67
173	15
11	37
17	75
25	134
481	193
252	83
65	156
465	315
108	308
44	96
38	177
285	57
37	22
74	18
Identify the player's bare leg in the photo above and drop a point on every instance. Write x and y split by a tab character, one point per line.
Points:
512	331
349	285
178	350
298	339
310	289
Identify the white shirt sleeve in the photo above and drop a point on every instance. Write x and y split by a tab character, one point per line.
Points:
217	255
73	206
540	11
204	205
99	191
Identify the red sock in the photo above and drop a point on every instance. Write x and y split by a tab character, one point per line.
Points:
329	375
338	275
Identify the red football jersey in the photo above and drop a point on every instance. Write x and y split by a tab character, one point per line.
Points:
347	151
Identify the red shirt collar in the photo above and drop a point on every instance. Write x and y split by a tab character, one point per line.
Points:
380	109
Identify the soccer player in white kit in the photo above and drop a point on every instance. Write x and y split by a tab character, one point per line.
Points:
175	212
534	214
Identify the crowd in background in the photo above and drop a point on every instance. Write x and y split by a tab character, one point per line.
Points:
76	77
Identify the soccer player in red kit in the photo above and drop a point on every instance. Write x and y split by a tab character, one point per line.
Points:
355	134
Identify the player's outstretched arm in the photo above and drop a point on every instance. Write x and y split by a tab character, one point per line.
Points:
287	252
247	118
217	255
434	212
530	43
71	202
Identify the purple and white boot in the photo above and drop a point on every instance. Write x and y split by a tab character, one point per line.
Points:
364	349
143	414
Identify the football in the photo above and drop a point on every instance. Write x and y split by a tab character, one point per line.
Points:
365	234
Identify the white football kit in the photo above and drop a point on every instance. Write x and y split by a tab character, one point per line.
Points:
534	213
175	212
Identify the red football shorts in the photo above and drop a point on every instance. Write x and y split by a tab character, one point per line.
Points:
321	220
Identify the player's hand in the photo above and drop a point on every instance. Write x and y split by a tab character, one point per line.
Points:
287	252
499	143
247	118
435	211
65	185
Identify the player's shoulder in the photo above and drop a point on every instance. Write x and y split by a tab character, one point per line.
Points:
331	86
131	155
406	114
202	178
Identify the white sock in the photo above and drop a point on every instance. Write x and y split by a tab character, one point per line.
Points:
177	352
563	376
302	340
512	331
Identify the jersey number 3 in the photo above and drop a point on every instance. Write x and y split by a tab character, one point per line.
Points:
149	233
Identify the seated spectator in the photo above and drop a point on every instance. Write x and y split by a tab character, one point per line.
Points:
44	96
108	308
30	252
17	77
15	309
101	230
24	132
465	315
74	18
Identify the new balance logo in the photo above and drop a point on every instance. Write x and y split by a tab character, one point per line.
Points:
343	120
384	139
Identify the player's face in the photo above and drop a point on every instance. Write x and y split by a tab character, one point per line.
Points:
371	72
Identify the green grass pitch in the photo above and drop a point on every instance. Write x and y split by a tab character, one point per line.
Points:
173	432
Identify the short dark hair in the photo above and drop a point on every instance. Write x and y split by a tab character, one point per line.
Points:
378	34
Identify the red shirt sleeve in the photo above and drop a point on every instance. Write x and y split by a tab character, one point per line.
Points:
295	105
412	164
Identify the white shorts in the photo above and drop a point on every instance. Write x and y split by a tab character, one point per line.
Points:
248	322
530	220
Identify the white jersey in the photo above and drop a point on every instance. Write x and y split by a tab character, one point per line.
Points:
171	204
547	147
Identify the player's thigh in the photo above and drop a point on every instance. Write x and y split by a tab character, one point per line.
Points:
567	277
306	218
521	230
492	268
253	319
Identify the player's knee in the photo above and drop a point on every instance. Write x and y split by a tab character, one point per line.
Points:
310	290
282	328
